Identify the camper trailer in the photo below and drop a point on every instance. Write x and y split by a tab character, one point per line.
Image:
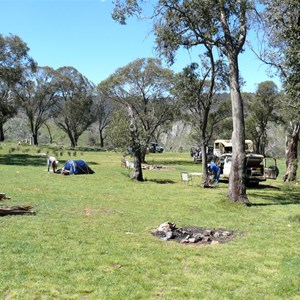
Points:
225	146
258	167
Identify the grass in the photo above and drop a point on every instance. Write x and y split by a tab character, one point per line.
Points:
91	235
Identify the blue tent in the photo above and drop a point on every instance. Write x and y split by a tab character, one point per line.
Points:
76	167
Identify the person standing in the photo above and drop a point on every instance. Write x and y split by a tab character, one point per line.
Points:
52	162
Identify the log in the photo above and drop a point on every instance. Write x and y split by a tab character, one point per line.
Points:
4	197
16	210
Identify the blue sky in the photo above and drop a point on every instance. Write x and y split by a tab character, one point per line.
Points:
82	34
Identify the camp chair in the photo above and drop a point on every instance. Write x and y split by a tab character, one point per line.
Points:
186	178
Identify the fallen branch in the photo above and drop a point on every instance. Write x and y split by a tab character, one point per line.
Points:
4	197
16	210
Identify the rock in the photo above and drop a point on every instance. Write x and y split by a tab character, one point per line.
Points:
216	234
198	236
226	233
184	241
215	242
207	232
167	226
169	235
206	239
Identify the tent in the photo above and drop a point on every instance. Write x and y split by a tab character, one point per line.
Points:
76	167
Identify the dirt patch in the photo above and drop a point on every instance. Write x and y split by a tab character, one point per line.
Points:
194	235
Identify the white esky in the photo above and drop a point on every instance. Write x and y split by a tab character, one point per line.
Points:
82	34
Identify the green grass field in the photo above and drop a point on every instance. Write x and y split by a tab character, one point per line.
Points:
91	235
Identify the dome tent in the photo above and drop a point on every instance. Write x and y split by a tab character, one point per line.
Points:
76	167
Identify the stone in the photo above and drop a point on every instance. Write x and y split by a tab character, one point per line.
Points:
216	234
198	236
167	226
215	242
184	241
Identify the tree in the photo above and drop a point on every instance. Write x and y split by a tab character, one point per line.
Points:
103	115
13	59
7	107
222	23
77	108
143	89
197	93
117	131
262	110
36	96
280	50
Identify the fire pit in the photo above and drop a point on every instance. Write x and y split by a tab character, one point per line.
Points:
193	235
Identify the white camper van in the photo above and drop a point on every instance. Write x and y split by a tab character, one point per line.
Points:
258	167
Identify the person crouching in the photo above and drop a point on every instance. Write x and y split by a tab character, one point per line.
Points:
52	162
216	171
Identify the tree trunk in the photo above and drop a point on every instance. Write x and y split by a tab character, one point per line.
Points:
143	153
237	180
49	132
136	148
204	163
35	139
72	139
101	139
1	132
292	155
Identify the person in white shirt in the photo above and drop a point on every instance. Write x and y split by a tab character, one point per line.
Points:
52	161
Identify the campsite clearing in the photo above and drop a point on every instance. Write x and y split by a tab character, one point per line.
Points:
91	235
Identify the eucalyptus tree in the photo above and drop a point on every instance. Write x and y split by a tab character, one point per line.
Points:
104	111
143	89
8	107
36	97
190	23
263	108
282	29
13	59
197	90
117	132
76	104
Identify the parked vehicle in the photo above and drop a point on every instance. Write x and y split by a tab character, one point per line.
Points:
225	146
258	167
155	148
196	154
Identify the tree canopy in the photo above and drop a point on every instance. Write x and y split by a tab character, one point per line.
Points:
207	23
13	59
77	108
36	95
143	88
282	28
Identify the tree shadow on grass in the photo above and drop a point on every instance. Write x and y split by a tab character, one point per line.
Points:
170	162
161	181
28	160
283	197
263	187
91	162
22	160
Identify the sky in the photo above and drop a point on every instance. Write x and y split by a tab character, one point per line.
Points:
82	34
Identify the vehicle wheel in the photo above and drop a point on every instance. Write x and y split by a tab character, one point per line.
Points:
276	170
